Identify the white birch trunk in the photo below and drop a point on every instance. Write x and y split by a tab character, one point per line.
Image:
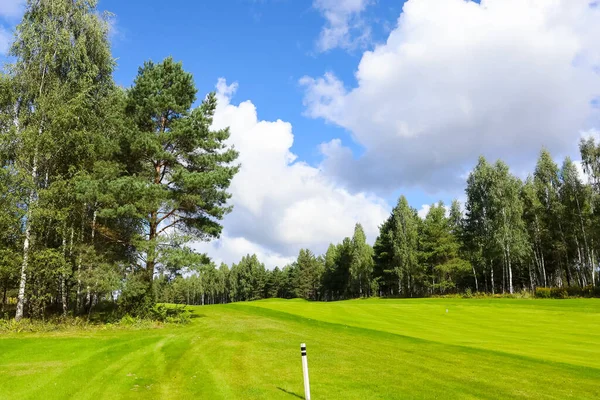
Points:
510	277
26	246
492	277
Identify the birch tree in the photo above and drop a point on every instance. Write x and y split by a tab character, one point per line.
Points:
62	63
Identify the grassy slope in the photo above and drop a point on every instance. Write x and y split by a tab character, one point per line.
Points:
380	349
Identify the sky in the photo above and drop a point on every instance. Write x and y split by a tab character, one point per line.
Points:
339	106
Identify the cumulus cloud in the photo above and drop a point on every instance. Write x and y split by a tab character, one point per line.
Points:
456	79
424	210
281	204
344	28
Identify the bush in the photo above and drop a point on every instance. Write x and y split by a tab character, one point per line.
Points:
179	315
468	293
542	293
590	291
575	291
128	320
559	293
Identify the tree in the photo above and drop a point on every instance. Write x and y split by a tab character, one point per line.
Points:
439	250
456	220
478	222
507	215
383	270
547	188
309	274
361	264
577	222
62	66
179	167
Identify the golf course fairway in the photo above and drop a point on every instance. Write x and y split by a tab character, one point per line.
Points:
357	349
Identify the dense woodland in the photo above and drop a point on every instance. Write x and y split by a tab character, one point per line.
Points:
100	187
102	190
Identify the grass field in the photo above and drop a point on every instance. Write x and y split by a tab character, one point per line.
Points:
360	349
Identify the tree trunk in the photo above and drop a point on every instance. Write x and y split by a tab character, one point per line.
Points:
492	276
543	269
485	280
539	246
4	296
475	276
26	244
587	252
63	292
79	261
88	289
504	272
510	277
359	287
531	279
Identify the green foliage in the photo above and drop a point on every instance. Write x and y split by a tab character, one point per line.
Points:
543	292
163	313
559	293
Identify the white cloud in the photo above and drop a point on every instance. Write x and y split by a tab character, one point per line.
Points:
281	204
11	8
457	79
231	250
591	133
424	210
345	27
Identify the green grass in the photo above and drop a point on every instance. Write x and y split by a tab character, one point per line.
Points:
360	349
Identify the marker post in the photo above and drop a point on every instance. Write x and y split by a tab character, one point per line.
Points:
305	371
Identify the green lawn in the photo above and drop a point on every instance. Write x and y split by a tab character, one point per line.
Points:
360	349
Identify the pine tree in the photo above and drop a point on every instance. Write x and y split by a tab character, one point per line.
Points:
439	251
361	264
179	168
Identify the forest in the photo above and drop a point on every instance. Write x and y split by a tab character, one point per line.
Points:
511	236
101	187
104	190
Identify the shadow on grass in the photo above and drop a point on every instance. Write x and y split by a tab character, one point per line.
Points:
194	315
291	393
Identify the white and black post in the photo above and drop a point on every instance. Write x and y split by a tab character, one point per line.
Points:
305	371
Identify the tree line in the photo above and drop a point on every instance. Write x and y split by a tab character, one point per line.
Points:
510	235
101	187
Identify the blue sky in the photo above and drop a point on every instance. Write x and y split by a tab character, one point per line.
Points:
265	45
339	106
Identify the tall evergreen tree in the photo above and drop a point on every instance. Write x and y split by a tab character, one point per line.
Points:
179	167
439	251
361	264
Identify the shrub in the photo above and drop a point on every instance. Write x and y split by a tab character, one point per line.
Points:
542	292
575	291
468	293
559	293
128	320
179	315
